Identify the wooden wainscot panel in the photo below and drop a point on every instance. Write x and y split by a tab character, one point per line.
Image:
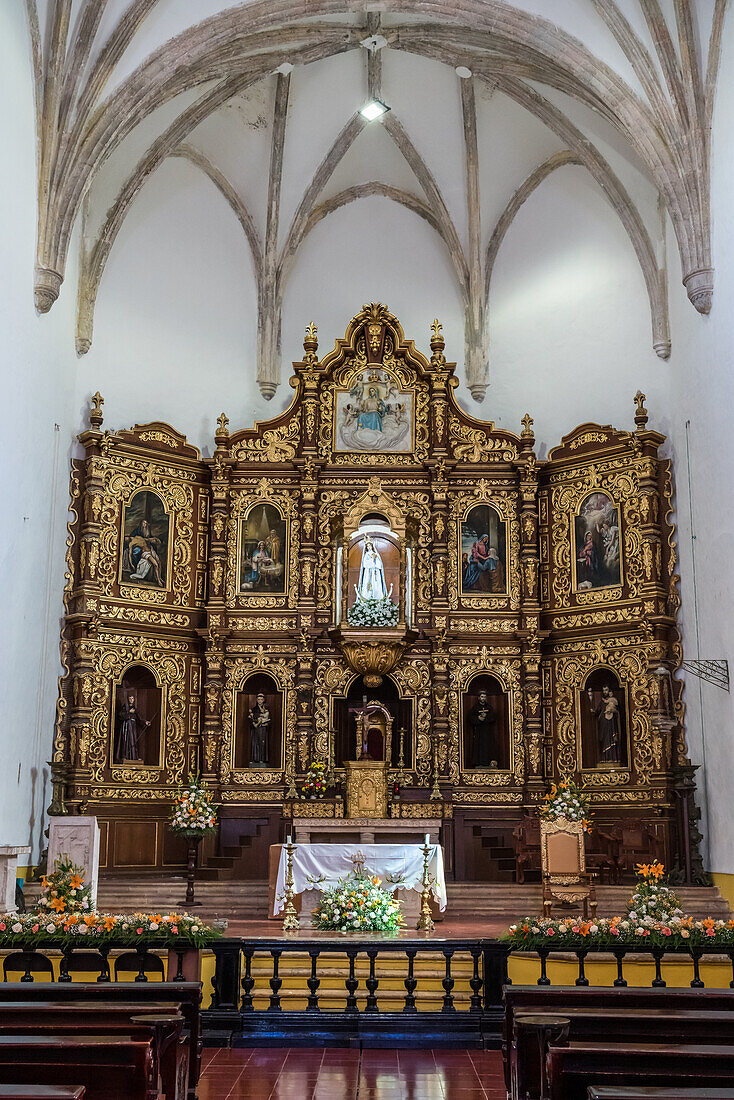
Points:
135	843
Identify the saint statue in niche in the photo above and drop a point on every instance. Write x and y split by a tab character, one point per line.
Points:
259	732
482	720
145	540
131	727
598	561
371	584
608	725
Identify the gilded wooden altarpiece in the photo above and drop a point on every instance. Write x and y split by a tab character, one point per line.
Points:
374	428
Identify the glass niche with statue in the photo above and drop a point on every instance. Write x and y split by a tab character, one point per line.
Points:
374	569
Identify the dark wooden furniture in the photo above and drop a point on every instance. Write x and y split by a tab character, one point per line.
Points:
664	1092
526	837
111	1067
41	1092
184	996
572	1069
670	1015
532	1036
161	1022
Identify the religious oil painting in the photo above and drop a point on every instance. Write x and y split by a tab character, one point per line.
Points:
263	552
145	541
597	561
374	415
483	549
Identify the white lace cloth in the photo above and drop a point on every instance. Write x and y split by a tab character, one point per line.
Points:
320	866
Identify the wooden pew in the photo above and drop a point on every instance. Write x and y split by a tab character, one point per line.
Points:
666	1092
111	1067
601	1013
571	1069
186	996
41	1092
161	1022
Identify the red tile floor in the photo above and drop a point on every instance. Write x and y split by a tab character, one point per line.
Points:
336	1073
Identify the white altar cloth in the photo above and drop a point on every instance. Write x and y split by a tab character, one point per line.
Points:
320	866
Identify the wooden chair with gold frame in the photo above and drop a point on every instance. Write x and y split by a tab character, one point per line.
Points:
563	864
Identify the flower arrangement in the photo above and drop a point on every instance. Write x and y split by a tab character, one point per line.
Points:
373	613
193	812
652	898
569	801
357	903
569	933
315	783
64	890
60	929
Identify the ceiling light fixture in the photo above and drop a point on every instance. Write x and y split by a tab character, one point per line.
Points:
463	72
285	68
373	109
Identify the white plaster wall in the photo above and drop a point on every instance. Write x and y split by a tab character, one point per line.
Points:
36	431
702	378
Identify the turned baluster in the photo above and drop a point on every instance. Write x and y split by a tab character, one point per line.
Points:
275	982
313	983
448	982
658	981
696	954
248	981
351	984
619	955
582	979
410	984
372	983
475	983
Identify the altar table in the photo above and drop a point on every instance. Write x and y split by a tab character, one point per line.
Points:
318	867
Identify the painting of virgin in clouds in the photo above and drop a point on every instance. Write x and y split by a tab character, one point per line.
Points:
483	547
597	546
374	415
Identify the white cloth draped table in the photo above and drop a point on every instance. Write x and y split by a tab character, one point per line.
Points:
399	866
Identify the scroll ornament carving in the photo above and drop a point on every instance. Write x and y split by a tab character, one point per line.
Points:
275	445
474	445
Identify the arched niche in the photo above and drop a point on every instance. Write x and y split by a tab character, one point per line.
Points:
603	721
146	542
347	710
597	556
485	724
263	551
483	552
374	566
258	739
137	719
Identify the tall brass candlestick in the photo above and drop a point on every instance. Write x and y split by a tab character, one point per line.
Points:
425	920
291	922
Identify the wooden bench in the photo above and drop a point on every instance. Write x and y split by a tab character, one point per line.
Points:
160	1021
598	1014
572	1069
186	996
110	1067
666	1092
41	1092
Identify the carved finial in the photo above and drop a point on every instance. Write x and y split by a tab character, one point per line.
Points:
310	344
222	435
95	413
641	412
311	330
437	344
526	422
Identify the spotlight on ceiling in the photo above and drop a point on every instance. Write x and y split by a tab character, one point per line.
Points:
463	72
285	68
374	42
373	109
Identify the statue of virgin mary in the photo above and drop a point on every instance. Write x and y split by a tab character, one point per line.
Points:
371	584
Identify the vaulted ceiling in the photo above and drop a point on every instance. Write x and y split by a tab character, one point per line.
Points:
487	100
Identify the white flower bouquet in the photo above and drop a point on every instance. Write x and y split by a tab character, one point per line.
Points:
567	800
651	897
193	812
357	903
373	613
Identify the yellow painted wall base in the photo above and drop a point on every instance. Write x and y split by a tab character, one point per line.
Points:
525	970
725	883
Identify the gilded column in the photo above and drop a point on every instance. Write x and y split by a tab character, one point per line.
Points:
530	609
210	762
